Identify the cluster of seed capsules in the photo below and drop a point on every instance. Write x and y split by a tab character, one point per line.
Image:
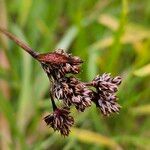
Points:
72	92
60	68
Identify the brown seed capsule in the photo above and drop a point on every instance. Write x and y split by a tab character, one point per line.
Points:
105	97
107	83
60	120
69	89
107	103
73	92
59	63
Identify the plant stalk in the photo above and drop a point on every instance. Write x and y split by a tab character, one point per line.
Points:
20	43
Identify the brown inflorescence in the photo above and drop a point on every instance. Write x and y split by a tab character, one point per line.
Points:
105	97
57	70
60	68
60	120
72	92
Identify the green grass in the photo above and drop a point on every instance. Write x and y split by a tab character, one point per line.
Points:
110	36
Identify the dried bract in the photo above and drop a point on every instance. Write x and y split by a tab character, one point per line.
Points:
59	68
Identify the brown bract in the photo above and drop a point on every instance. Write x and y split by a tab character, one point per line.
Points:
59	63
57	58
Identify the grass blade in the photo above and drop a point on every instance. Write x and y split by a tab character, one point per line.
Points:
94	138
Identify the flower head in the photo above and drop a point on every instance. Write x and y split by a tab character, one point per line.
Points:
73	92
61	65
107	103
105	97
60	120
69	89
107	83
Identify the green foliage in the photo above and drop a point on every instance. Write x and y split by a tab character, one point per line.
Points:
110	36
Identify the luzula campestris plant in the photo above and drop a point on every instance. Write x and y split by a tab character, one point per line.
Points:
71	91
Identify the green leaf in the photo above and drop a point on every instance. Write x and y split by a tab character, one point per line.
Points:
142	72
141	110
87	136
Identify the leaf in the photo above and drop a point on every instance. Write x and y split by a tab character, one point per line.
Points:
142	110
94	138
144	143
142	72
128	37
68	38
4	86
24	11
4	22
7	110
25	103
92	68
45	144
109	21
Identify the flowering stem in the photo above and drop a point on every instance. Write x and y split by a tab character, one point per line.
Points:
52	101
51	95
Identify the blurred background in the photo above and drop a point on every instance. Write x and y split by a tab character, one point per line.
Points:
110	36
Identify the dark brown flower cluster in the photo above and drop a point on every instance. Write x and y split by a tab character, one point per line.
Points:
63	64
60	68
105	96
72	92
60	120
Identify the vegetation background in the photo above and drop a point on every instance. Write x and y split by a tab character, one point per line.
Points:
110	36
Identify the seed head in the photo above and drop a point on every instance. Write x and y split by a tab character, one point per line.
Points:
107	103
59	68
60	120
73	92
107	83
105	97
58	65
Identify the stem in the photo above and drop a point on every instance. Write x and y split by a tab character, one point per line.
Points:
53	102
51	95
20	43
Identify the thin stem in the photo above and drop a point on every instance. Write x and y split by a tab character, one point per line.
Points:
52	101
51	94
20	43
